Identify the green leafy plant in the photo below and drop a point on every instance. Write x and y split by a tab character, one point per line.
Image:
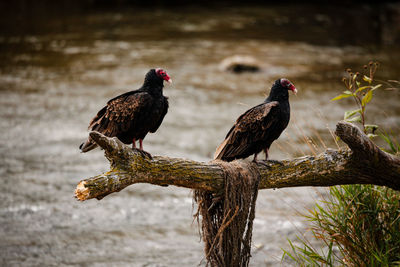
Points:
393	143
357	225
360	87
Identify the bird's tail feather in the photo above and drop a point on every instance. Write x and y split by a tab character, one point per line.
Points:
87	145
219	153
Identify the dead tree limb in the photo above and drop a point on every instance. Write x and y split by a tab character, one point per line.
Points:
363	163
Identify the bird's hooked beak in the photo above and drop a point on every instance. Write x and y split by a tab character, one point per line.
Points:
167	78
293	89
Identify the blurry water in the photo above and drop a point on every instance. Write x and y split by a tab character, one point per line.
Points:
54	78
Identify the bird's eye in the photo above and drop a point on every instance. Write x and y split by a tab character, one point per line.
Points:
285	83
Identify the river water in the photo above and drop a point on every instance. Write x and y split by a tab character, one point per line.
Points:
56	73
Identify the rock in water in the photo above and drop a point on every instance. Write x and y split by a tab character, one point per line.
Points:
239	64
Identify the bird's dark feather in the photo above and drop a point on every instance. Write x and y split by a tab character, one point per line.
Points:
252	127
122	113
164	108
258	127
131	115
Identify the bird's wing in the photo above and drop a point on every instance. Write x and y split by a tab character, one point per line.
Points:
162	115
250	127
120	113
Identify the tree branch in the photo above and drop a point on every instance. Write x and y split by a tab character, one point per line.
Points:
363	163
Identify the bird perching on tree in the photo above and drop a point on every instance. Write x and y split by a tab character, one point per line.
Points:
256	129
132	115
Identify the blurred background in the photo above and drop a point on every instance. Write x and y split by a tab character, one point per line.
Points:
60	63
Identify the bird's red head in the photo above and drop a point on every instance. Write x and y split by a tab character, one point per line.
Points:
286	83
163	75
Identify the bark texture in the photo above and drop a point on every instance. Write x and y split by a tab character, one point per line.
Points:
362	163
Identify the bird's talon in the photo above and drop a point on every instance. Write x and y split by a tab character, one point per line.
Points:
145	154
273	161
276	162
262	162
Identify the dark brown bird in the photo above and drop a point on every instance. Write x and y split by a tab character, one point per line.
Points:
258	127
132	115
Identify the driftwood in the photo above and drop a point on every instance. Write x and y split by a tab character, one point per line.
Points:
362	163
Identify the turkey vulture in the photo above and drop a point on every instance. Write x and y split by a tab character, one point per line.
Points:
132	115
258	127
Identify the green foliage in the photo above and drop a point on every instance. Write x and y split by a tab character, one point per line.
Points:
351	113
394	144
360	88
359	226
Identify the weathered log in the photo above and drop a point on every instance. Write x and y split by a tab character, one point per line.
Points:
363	163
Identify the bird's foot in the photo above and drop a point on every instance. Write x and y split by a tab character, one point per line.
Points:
261	162
273	161
144	154
267	163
